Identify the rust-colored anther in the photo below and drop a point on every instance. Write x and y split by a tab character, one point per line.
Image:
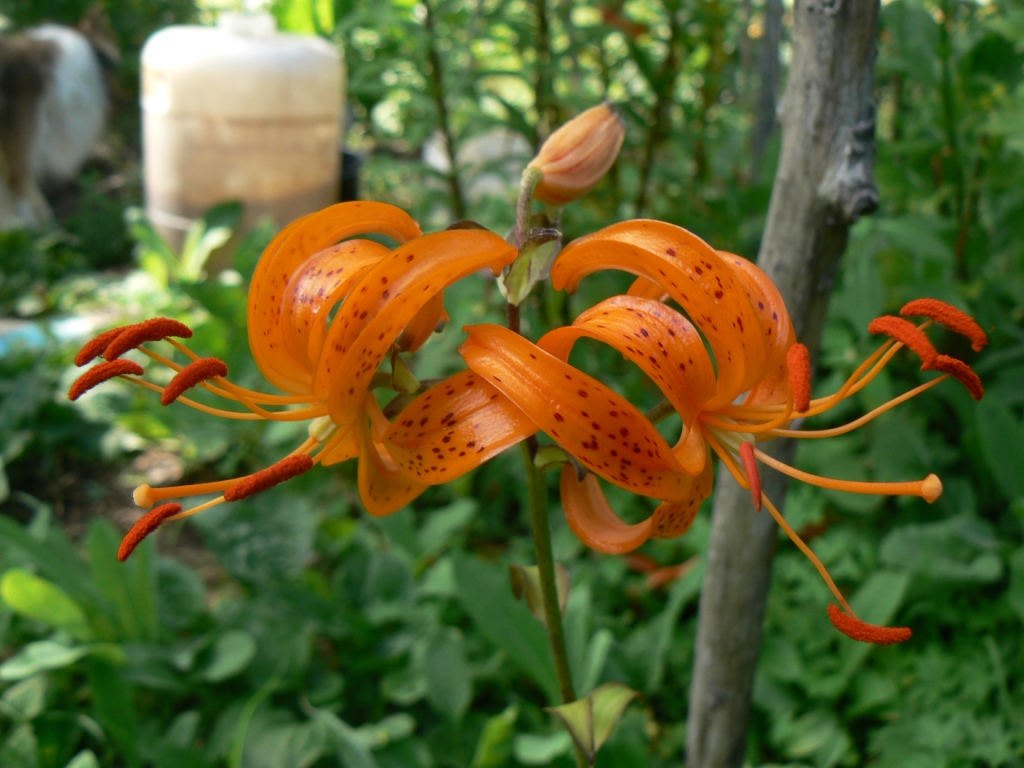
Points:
753	474
950	317
906	333
95	347
285	469
198	370
151	330
856	629
148	523
100	373
959	370
798	364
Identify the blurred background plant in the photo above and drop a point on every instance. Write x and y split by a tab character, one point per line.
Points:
292	630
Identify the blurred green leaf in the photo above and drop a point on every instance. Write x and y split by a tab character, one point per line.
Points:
1002	441
494	747
449	683
231	653
44	601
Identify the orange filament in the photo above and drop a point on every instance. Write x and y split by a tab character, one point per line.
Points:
100	373
961	371
856	423
798	363
753	475
148	523
907	333
96	346
856	629
285	469
950	317
155	329
193	373
929	489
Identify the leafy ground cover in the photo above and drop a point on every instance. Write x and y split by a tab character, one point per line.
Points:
310	635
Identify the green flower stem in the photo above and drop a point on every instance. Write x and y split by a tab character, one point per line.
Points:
538	499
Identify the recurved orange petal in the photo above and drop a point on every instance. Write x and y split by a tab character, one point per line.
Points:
603	430
383	486
285	255
453	427
694	275
384	302
655	337
595	523
321	282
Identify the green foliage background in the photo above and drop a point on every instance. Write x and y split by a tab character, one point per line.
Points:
315	636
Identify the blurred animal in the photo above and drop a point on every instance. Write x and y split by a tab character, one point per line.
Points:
55	92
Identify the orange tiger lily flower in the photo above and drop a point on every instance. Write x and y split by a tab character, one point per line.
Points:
744	385
390	300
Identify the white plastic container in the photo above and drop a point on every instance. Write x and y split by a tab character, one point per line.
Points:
239	112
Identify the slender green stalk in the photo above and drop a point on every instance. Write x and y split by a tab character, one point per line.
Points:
537	494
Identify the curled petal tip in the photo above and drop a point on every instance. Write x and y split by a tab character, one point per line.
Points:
931	488
856	629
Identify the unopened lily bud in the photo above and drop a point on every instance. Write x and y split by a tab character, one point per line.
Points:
577	155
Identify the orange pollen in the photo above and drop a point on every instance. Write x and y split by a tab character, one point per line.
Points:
95	348
856	629
907	334
198	370
146	524
285	469
753	475
950	317
798	363
100	373
151	330
961	371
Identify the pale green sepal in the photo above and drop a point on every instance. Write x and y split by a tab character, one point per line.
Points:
402	378
591	720
526	583
532	265
550	456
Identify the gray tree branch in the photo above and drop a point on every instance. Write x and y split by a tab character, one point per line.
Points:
824	182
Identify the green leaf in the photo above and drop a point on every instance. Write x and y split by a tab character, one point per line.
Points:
21	750
449	682
114	704
231	654
129	586
494	747
39	656
44	601
533	749
876	602
84	759
350	749
26	699
526	584
1002	444
485	596
591	720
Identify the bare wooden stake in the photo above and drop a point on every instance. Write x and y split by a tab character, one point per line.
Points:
824	182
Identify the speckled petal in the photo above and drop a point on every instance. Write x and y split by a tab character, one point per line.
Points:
603	430
695	276
285	255
454	427
384	302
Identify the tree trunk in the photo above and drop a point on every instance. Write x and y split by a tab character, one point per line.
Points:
823	184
